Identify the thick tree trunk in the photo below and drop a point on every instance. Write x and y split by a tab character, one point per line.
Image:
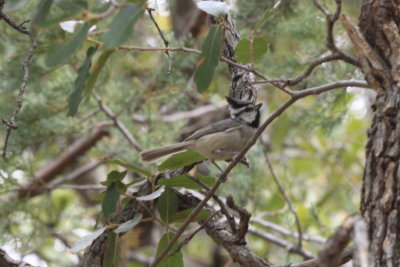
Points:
380	197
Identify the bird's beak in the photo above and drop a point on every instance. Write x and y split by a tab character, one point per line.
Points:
258	106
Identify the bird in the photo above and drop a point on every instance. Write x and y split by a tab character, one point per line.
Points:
221	140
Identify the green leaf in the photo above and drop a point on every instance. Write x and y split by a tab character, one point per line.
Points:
175	260
131	167
121	187
125	201
99	196
209	58
110	200
260	47
156	194
63	10
180	160
116	176
128	225
14	5
42	11
121	27
59	53
96	71
87	240
186	182
181	216
243	51
75	96
267	14
249	51
167	205
113	251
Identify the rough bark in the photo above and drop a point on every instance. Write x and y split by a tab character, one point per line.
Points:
380	197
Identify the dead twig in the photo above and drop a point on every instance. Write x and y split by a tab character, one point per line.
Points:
243	223
286	198
166	43
12	122
117	123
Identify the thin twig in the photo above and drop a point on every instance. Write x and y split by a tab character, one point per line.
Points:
132	141
283	231
12	123
291	248
166	43
224	210
330	23
243	222
287	200
190	237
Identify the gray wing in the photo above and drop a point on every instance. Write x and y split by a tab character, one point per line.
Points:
219	126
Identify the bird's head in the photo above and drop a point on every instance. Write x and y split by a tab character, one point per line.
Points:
244	111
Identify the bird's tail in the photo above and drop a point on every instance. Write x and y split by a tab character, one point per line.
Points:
155	153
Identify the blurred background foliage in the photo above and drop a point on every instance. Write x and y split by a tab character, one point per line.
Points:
316	147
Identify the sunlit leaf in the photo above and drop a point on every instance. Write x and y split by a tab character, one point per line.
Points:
167	204
59	53
128	225
260	47
175	260
110	200
113	251
243	51
180	160
121	27
156	194
209	58
87	240
75	96
249	51
131	167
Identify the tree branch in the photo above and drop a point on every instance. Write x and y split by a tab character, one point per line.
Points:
52	169
12	123
128	136
287	200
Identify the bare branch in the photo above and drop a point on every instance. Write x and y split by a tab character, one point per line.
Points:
280	242
224	210
330	23
183	115
190	237
286	198
132	141
166	43
75	174
12	123
243	223
346	256
329	256
57	166
283	231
